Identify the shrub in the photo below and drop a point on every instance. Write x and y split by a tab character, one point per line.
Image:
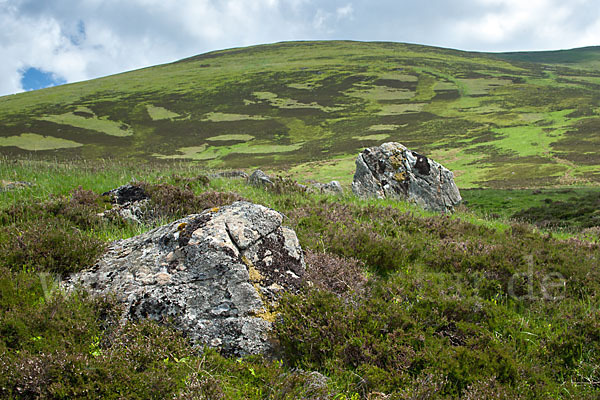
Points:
168	201
51	245
333	273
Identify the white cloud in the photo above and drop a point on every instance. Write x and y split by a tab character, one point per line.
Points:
83	39
345	12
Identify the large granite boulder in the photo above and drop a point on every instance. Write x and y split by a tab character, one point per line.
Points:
215	275
392	170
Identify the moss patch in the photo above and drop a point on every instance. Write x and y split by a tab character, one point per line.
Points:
224	117
399	109
35	142
160	113
379	137
284	103
102	124
225	138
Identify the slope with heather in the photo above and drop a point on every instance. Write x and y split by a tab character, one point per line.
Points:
496	120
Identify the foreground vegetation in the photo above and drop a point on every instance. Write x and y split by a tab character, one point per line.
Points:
403	304
496	120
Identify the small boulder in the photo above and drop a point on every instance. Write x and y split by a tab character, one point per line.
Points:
130	202
260	179
333	187
215	275
6	186
229	174
392	170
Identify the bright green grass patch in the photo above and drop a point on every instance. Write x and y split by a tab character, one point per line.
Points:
192	153
481	86
205	152
526	140
467	168
378	137
384	127
397	76
304	85
102	124
224	117
379	93
339	169
300	131
280	102
224	138
160	113
399	109
532	117
35	142
445	86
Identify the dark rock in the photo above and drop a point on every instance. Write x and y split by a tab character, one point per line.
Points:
130	202
392	170
259	178
216	275
126	194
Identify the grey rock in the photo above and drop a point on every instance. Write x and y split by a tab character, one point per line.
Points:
229	174
130	202
333	187
216	275
6	186
391	170
259	178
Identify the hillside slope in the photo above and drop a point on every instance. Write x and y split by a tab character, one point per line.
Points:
504	120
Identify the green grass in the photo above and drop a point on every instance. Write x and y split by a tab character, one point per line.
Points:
160	113
112	128
35	142
489	109
471	305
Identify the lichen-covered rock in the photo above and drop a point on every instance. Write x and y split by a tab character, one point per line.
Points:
130	202
392	170
259	178
216	275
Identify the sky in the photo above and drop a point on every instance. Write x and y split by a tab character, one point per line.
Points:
50	42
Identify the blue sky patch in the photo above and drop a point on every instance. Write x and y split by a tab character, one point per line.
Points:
33	78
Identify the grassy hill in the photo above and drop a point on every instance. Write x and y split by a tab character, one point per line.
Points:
404	303
497	120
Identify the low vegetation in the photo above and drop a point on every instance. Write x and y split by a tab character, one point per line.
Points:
401	304
497	120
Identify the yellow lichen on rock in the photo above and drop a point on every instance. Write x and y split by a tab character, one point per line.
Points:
400	176
396	160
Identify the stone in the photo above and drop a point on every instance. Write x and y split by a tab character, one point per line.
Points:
216	275
130	202
6	186
229	174
393	171
333	187
259	178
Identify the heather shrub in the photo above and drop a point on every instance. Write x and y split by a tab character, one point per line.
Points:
51	245
168	201
351	233
80	208
333	273
390	338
